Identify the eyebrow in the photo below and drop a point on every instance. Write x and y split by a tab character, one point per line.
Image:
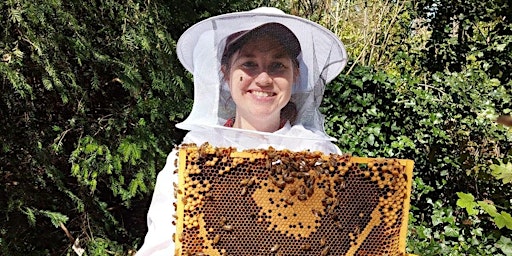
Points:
279	55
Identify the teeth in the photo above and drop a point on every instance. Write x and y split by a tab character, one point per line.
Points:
262	94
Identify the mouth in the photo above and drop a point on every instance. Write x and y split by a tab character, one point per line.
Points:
262	94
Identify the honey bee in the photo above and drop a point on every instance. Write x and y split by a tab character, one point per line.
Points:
328	192
281	184
223	221
357	230
251	181
216	239
306	247
323	241
275	248
316	213
325	251
310	191
302	197
244	182
343	184
244	191
288	179
227	227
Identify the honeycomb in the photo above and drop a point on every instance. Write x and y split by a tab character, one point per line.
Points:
280	202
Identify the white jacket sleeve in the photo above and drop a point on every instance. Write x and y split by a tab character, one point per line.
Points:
158	240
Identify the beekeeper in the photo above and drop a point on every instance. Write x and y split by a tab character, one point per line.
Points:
259	78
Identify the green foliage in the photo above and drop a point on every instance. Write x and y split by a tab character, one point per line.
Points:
502	172
91	91
444	121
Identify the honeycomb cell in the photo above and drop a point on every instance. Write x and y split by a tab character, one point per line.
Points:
279	202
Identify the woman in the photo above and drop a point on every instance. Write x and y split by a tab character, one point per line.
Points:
259	78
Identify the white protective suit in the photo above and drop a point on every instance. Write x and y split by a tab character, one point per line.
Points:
322	58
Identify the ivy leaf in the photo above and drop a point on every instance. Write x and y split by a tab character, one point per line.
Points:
505	244
467	201
502	172
503	220
451	231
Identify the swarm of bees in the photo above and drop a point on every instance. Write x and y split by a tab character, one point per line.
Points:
279	202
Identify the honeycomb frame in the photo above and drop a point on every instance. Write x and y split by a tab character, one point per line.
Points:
280	202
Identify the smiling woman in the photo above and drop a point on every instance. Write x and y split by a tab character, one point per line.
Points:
266	73
259	78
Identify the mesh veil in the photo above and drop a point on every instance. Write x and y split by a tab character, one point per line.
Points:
201	47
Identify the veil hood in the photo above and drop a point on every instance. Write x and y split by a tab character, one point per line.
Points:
201	47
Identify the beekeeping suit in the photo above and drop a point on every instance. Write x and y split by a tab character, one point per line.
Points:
200	50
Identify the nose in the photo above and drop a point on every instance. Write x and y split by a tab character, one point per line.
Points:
263	79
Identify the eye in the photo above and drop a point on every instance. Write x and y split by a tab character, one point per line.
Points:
277	67
249	64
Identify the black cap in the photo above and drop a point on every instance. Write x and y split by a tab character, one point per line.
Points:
278	31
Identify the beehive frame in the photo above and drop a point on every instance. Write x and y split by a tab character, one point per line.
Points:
279	202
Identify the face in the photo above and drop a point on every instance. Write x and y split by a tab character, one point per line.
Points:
260	78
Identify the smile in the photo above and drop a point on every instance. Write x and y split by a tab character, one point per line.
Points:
262	94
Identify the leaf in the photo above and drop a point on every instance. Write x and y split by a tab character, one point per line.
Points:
55	217
451	231
467	201
503	220
502	172
30	215
505	244
488	208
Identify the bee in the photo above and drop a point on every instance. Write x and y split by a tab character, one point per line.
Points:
244	191
251	181
244	182
223	221
281	184
316	213
293	191
306	247
325	251
288	201
323	241
273	180
275	248
343	184
338	225
328	192
288	179
357	230
310	191
216	239
302	197
227	227
302	189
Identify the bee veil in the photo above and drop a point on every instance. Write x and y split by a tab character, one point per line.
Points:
320	55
